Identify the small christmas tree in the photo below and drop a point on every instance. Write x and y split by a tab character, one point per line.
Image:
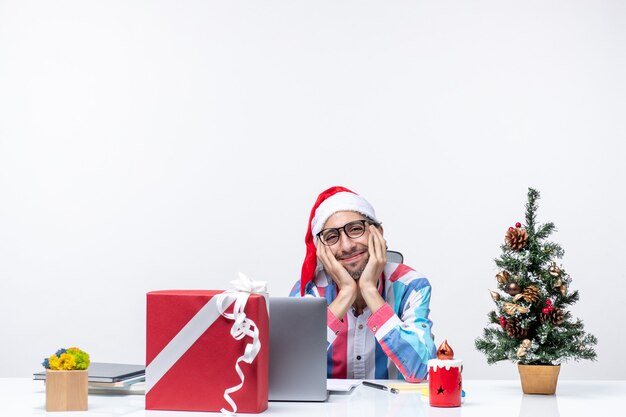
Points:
532	324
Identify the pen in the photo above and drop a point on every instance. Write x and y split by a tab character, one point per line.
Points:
379	386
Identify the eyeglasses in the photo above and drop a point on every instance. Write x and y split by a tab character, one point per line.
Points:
353	230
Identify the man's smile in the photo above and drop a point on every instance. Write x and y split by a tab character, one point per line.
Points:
352	257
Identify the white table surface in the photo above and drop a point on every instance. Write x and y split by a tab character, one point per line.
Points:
23	397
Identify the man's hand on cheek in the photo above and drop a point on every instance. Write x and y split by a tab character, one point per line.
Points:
377	247
346	286
335	269
369	279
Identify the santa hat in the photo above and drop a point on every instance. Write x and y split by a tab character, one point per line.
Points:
329	202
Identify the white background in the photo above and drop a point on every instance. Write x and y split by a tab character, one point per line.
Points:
150	145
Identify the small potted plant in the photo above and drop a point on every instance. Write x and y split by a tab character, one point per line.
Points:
531	324
66	380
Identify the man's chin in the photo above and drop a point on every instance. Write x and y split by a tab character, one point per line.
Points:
356	273
356	269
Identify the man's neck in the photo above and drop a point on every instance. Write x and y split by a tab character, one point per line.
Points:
359	304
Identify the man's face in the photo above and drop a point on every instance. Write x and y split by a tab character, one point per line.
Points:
351	253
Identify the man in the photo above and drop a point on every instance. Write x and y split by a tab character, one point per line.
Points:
377	311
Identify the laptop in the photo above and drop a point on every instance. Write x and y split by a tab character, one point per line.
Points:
297	362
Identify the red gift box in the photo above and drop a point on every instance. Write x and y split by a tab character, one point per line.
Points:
191	355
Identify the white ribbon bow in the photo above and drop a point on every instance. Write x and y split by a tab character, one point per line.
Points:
242	326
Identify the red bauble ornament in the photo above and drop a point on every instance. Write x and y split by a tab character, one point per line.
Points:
545	310
510	228
502	322
518	225
548	302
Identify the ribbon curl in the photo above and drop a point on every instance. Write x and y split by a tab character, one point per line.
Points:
242	326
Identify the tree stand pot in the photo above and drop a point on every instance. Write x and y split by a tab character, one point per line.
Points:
539	379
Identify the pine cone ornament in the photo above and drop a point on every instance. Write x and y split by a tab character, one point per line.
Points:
514	330
530	294
554	316
516	238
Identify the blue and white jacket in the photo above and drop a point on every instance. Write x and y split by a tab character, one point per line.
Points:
394	343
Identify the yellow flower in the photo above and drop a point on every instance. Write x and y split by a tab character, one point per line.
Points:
54	362
67	362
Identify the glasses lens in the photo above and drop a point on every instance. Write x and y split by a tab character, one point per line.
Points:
355	229
330	236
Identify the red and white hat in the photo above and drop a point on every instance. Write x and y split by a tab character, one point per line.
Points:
329	202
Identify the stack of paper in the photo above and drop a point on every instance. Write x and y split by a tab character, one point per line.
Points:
341	386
